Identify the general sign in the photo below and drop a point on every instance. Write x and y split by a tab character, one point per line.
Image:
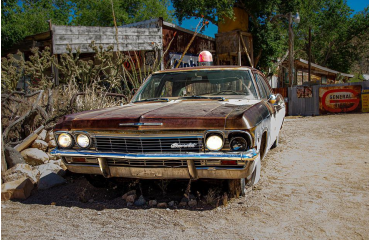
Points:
339	99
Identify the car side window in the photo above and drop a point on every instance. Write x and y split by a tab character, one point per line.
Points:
266	86
260	86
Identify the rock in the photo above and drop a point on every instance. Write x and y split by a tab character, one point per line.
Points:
13	157
162	205
171	204
22	170
49	136
39	144
131	198
184	199
42	135
91	200
182	204
34	156
51	157
49	179
129	204
140	201
52	144
18	189
50	167
153	203
60	163
192	203
132	192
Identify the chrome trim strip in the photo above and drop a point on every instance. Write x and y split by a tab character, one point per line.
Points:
249	155
145	137
140	124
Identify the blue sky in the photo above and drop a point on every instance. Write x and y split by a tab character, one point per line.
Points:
356	5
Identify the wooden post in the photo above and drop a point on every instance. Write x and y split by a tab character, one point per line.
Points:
239	50
290	37
161	50
309	66
245	48
302	76
4	165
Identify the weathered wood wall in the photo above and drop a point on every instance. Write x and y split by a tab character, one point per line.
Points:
228	44
129	39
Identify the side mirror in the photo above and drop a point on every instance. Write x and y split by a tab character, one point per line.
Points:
272	98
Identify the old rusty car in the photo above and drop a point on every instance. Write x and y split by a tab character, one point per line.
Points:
208	122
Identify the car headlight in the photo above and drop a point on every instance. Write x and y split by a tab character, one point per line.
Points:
238	144
214	143
65	140
83	140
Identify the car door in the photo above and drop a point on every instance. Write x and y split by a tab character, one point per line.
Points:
278	113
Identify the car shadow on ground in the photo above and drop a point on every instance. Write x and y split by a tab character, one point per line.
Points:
78	192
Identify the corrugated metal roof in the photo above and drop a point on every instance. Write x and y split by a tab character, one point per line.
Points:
325	68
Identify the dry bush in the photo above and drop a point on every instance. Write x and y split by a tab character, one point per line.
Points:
105	74
210	197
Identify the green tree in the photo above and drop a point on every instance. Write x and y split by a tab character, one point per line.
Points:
266	22
338	36
99	12
23	18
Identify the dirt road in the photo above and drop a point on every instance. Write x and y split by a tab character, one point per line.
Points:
315	185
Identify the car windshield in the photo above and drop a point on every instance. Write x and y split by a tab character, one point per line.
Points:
199	84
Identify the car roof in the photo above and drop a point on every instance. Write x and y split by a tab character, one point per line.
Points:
205	67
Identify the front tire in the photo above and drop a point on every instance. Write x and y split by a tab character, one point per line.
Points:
238	187
98	181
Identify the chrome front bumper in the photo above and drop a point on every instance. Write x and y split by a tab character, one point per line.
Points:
250	158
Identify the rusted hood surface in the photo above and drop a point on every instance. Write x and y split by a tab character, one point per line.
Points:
173	115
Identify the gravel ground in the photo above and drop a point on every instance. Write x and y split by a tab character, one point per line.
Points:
315	185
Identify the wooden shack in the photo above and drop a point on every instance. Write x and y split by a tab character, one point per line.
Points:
319	74
144	41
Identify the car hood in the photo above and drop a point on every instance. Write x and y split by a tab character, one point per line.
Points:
173	115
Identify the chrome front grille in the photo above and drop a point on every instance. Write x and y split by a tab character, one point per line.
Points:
160	162
148	144
147	163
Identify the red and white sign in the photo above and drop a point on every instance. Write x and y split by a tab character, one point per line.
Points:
339	99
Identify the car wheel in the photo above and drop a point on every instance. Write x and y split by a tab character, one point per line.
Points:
238	187
275	144
254	177
98	181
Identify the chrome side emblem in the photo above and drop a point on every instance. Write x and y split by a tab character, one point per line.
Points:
140	124
183	145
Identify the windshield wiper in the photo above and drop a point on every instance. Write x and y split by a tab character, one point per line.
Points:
202	97
154	99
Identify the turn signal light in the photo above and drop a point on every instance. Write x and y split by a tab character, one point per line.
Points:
228	162
78	159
